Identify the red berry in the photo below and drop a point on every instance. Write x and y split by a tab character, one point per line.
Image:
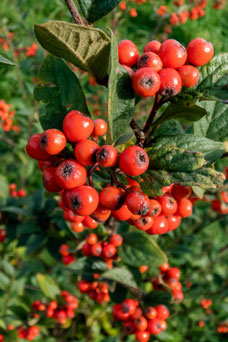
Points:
63	249
170	82
184	208
112	198
141	323
146	82
153	46
85	152
21	193
68	259
109	250
162	312
49	180
150	60
122	214
129	306
179	191
96	249
116	240
83	286
164	268
150	312
155	208
107	156
100	127
129	70
168	204
138	203
90	223
70	174
189	75
172	54
129	327
91	239
133	161
72	217
53	141
101	214
77	227
144	223
128	53
34	149
83	200
173	222
142	336
154	326
199	51
174	273
77	126
160	225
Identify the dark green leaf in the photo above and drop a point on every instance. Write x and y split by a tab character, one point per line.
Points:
86	47
60	90
119	294
121	97
140	249
93	10
158	297
5	61
35	241
4	188
121	275
206	178
87	265
28	228
123	139
48	286
212	150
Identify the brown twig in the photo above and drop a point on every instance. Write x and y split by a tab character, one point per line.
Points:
74	12
90	173
153	112
139	134
115	181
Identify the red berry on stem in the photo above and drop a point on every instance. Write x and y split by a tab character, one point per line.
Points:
49	180
138	203
101	214
173	222
160	225
107	156
168	204
70	174
189	75
144	223
199	51
34	149
77	126
83	200
145	82
150	60
53	141
128	53
172	54
112	198
85	152
184	208
100	127
133	161
153	46
170	82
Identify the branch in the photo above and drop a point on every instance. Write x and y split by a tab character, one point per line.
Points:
139	134
153	112
90	173
74	12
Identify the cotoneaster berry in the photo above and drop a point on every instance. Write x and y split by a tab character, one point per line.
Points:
52	141
150	60
107	156
128	53
145	82
77	126
189	75
170	82
199	51
83	200
70	174
34	149
112	198
85	152
172	54
152	46
100	127
133	161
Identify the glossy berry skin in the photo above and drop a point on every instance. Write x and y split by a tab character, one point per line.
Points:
154	326
63	249
53	141
174	273
49	180
83	200
178	294
116	240
172	54
150	312
170	82
90	223
112	198
184	208
141	323
70	174
129	306
129	327
86	249
150	60
100	127
168	204
155	208
199	51
145	82
107	156
152	46
34	150
164	267
189	75
138	203
128	53
160	225
162	312
133	161
77	227
173	222
83	286
72	217
2	235
179	191
85	152
101	214
142	336
144	223
68	259
77	126
109	250
122	214
96	249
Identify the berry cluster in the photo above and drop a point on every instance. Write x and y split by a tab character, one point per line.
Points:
205	303
7	116
169	277
16	193
132	10
97	291
5	40
67	257
222	328
28	333
220	205
141	322
164	68
2	235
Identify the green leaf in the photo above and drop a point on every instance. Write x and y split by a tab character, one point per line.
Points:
199	192
212	150
215	124
121	97
4	187
87	265
5	61
121	275
48	286
93	10
172	158
158	297
140	249
34	242
213	77
60	90
86	47
206	178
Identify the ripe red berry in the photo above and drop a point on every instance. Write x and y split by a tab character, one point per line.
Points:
129	327
68	259
128	53
162	312
153	46
77	126
83	200
77	227
172	54
34	149
155	208
173	222
70	174
145	82
116	240
53	141
133	161
164	267
72	217
160	225
112	198
122	214
178	294
144	223
90	223
49	180
63	249
199	51
184	208
129	306
150	312
154	326
150	60
21	193
83	286
142	336
143	268
174	273
107	156
101	214
168	204
189	75
96	249
109	250
138	203
141	323
100	127
170	82
85	152
179	191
